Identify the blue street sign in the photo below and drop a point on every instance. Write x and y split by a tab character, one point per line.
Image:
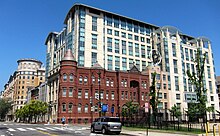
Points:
112	109
104	108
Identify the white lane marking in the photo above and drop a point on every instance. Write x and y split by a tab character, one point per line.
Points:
58	128
40	128
31	129
2	135
11	129
49	128
5	124
21	129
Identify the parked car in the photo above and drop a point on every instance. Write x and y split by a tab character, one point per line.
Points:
106	124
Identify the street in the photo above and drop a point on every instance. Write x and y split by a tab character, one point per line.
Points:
21	129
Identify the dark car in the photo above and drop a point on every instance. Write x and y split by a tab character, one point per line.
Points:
106	124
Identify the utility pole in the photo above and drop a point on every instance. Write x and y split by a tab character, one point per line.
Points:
99	82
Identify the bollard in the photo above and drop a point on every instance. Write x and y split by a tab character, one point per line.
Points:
214	133
208	128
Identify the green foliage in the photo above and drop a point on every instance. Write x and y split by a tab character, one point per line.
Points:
5	106
130	109
33	109
175	111
196	79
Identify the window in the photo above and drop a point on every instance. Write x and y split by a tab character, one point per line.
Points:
123	34
112	83
116	33
107	82
174	49
137	53
106	95
117	46
143	65
113	96
123	25
143	55
109	44
70	92
148	40
86	109
142	96
64	77
123	47
109	31
80	93
94	23
126	95
85	80
80	80
142	39
212	98
136	38
136	29
79	108
129	28
109	62
109	21
176	83
124	63
175	66
70	109
94	41
116	23
64	92
177	96
165	95
71	77
63	107
94	58
117	63
130	48
130	36
102	95
86	94
160	96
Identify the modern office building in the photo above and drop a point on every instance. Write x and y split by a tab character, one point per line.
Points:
116	41
29	74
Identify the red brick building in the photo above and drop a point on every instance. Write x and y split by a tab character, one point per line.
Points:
79	89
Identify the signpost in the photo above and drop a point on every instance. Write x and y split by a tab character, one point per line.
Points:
146	109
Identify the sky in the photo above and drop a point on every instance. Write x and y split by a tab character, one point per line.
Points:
25	24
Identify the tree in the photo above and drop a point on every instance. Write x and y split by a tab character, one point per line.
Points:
5	107
130	110
154	99
196	79
175	111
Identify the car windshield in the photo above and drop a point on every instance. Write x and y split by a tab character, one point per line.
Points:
111	120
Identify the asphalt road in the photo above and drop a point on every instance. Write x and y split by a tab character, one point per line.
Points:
21	129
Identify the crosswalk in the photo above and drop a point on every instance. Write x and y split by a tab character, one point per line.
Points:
46	129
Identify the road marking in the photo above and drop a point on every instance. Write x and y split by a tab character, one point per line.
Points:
11	129
31	129
49	128
41	128
4	124
58	128
2	135
21	129
46	133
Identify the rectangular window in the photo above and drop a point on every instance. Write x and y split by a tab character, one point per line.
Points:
131	62
113	95
137	53
174	49
123	25
94	58
165	95
138	64
142	39
136	38
129	27
176	83
70	92
130	36
64	92
122	95
117	63
116	23
160	95
175	66
117	46
94	23
109	21
130	48
80	93
177	96
86	94
109	31
123	34
94	41
109	62
109	44
143	55
136	29
116	33
124	63
106	95
123	47
143	65
186	54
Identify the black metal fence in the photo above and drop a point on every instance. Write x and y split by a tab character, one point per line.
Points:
167	121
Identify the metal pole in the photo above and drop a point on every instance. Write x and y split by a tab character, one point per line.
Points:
99	73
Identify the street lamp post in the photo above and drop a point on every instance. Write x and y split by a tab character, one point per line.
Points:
99	82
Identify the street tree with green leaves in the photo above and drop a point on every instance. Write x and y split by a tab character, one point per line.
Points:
33	110
5	107
197	79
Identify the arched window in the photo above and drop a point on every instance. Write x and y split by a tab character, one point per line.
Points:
125	83
107	82
79	108
86	108
70	109
22	97
64	77
71	77
93	80
80	79
112	83
85	80
63	107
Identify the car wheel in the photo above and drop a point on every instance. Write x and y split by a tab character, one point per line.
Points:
92	129
103	130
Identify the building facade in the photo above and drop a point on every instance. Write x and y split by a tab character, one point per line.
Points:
81	88
29	74
116	41
218	86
